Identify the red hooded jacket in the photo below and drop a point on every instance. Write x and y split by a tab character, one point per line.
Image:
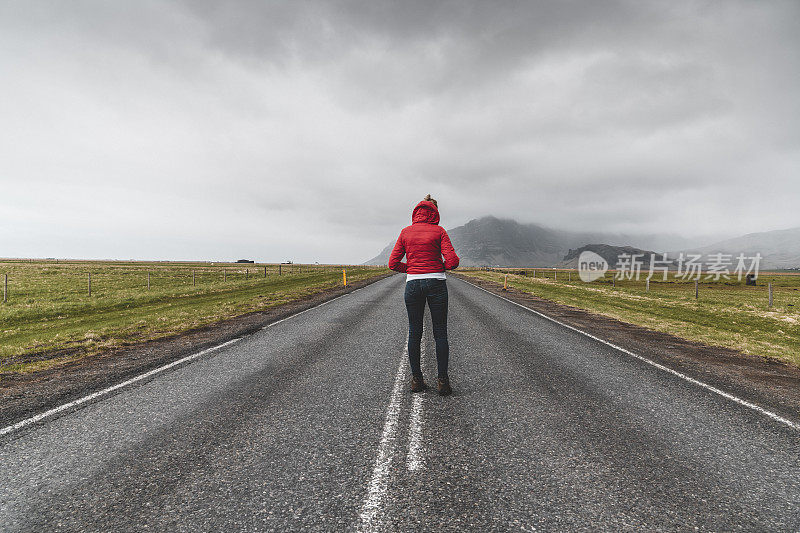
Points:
423	243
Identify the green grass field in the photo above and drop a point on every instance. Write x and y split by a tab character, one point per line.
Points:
727	313
49	317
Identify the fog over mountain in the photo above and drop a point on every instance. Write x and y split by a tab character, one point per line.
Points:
780	248
490	241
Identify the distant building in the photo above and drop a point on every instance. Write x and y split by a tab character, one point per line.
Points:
245	261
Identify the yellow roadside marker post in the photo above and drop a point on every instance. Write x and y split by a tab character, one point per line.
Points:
505	283
344	276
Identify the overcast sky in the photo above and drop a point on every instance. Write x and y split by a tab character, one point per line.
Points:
308	130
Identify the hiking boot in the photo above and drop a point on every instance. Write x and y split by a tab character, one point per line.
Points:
418	384
444	387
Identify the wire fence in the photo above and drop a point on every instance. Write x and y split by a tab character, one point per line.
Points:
27	282
770	289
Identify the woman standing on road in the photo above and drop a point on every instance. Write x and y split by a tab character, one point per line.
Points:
424	243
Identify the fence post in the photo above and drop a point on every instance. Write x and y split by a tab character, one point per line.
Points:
148	281
647	285
569	276
534	272
246	273
265	271
614	281
5	288
555	275
344	277
89	284
193	281
279	269
696	290
770	293
224	274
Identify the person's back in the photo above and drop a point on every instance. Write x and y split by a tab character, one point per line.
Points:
424	243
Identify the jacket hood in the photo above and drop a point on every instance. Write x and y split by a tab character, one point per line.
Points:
425	212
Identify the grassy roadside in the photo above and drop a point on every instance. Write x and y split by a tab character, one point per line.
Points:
727	314
50	318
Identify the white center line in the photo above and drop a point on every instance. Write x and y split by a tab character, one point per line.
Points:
377	485
414	459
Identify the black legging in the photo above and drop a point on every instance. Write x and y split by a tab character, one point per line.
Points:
434	291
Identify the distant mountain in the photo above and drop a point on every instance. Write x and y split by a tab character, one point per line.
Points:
779	248
490	241
383	257
610	253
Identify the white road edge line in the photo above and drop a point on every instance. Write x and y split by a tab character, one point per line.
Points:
681	375
80	401
32	420
307	310
380	473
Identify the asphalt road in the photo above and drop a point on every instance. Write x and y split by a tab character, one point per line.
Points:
308	425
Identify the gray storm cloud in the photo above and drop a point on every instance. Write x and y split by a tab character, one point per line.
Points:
308	130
